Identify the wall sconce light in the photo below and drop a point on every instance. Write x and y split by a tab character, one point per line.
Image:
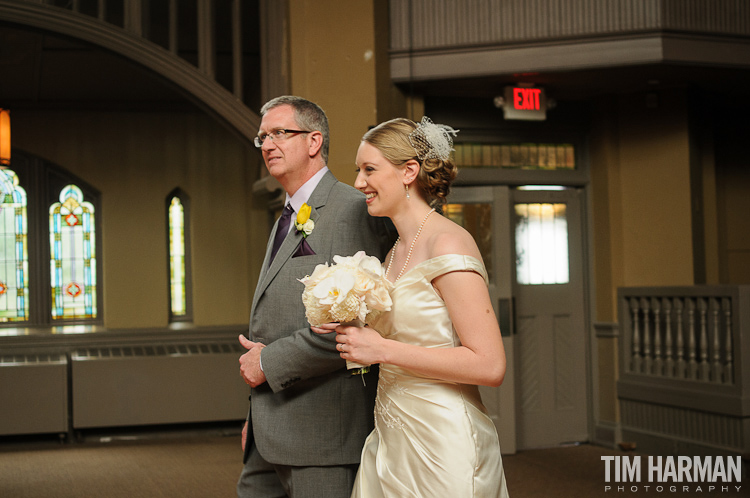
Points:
4	138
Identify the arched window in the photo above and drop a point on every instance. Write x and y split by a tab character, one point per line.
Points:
14	257
72	256
49	247
180	289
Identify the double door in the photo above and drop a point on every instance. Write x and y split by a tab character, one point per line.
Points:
532	244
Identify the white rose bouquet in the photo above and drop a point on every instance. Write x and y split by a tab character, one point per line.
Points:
351	292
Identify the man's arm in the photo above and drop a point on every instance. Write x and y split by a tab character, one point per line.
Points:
300	356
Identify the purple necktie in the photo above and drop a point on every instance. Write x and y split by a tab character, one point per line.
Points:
282	230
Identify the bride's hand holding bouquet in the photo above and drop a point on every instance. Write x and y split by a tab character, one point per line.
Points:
357	345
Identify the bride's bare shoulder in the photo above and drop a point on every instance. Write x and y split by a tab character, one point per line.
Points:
451	238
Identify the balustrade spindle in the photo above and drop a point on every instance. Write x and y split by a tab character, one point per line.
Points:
682	336
726	305
705	367
658	368
668	360
716	372
637	360
681	366
647	358
692	364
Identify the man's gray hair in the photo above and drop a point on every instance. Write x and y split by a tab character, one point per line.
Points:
309	117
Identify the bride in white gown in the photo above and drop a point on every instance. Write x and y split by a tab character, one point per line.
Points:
432	437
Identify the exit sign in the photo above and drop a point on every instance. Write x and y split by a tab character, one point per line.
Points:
525	102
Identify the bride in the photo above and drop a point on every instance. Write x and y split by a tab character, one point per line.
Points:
440	340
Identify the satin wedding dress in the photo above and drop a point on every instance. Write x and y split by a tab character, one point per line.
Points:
432	438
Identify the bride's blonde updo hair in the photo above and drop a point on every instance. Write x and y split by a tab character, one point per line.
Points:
401	140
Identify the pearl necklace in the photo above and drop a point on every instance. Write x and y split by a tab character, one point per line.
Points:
411	248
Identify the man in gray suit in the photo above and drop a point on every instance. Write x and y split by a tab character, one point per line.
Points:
308	416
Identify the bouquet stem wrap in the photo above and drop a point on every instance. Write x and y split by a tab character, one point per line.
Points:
353	365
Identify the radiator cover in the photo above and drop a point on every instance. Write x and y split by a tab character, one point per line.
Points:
33	394
141	385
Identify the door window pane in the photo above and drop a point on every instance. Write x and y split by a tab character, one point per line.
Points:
477	220
541	244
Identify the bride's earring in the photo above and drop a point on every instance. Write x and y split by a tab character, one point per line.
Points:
407	192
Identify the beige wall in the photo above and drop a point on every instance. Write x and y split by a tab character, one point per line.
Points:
135	160
606	212
641	211
654	174
333	64
605	199
641	196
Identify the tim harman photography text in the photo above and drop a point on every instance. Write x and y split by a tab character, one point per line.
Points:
673	473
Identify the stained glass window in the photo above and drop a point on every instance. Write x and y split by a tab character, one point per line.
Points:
541	244
72	256
178	224
14	258
177	257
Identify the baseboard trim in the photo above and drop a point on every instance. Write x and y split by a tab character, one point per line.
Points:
607	434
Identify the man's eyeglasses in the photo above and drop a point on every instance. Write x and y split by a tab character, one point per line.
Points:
276	135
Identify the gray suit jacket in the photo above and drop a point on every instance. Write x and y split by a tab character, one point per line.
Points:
311	412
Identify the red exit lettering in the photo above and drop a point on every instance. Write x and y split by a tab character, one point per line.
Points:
526	99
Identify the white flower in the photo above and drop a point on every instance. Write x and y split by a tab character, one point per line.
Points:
334	288
354	287
348	309
319	273
372	265
315	314
379	298
306	228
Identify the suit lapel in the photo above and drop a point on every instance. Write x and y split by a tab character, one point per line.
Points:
264	269
317	199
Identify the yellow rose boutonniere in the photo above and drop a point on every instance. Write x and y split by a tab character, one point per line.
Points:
303	223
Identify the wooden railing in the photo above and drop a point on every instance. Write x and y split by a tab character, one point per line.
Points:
685	355
683	337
